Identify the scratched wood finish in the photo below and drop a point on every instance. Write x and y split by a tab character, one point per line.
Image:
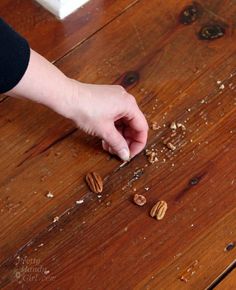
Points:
109	241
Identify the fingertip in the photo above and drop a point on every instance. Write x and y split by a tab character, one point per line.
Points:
105	146
124	154
117	143
136	148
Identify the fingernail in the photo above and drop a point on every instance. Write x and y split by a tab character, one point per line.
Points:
124	154
110	151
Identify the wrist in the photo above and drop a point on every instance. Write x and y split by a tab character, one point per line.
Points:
74	102
61	100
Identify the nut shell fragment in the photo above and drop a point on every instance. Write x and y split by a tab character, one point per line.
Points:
155	126
152	156
180	125
173	126
171	146
139	199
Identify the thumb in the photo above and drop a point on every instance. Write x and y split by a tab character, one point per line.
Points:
117	143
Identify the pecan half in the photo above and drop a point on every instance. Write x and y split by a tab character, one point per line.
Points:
159	210
94	182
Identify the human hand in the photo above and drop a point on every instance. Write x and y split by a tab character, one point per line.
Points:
109	112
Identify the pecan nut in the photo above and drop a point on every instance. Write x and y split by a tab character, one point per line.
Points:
159	210
94	182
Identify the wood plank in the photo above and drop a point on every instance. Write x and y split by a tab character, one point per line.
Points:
228	283
148	89
78	232
52	37
58	37
113	234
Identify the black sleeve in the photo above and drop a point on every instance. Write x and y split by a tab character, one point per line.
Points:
14	57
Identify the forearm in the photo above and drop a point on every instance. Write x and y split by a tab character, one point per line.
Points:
44	83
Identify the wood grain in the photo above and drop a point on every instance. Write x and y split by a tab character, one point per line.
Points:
108	240
58	37
53	38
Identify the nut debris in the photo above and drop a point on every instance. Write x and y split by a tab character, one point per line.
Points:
56	219
80	201
49	194
170	146
180	125
152	156
139	199
155	126
173	126
221	87
158	211
94	182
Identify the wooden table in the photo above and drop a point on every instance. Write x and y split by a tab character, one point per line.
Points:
80	240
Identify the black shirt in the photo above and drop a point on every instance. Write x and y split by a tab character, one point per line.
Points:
14	57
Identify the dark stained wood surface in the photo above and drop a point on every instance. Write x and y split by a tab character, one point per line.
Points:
53	38
108	242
